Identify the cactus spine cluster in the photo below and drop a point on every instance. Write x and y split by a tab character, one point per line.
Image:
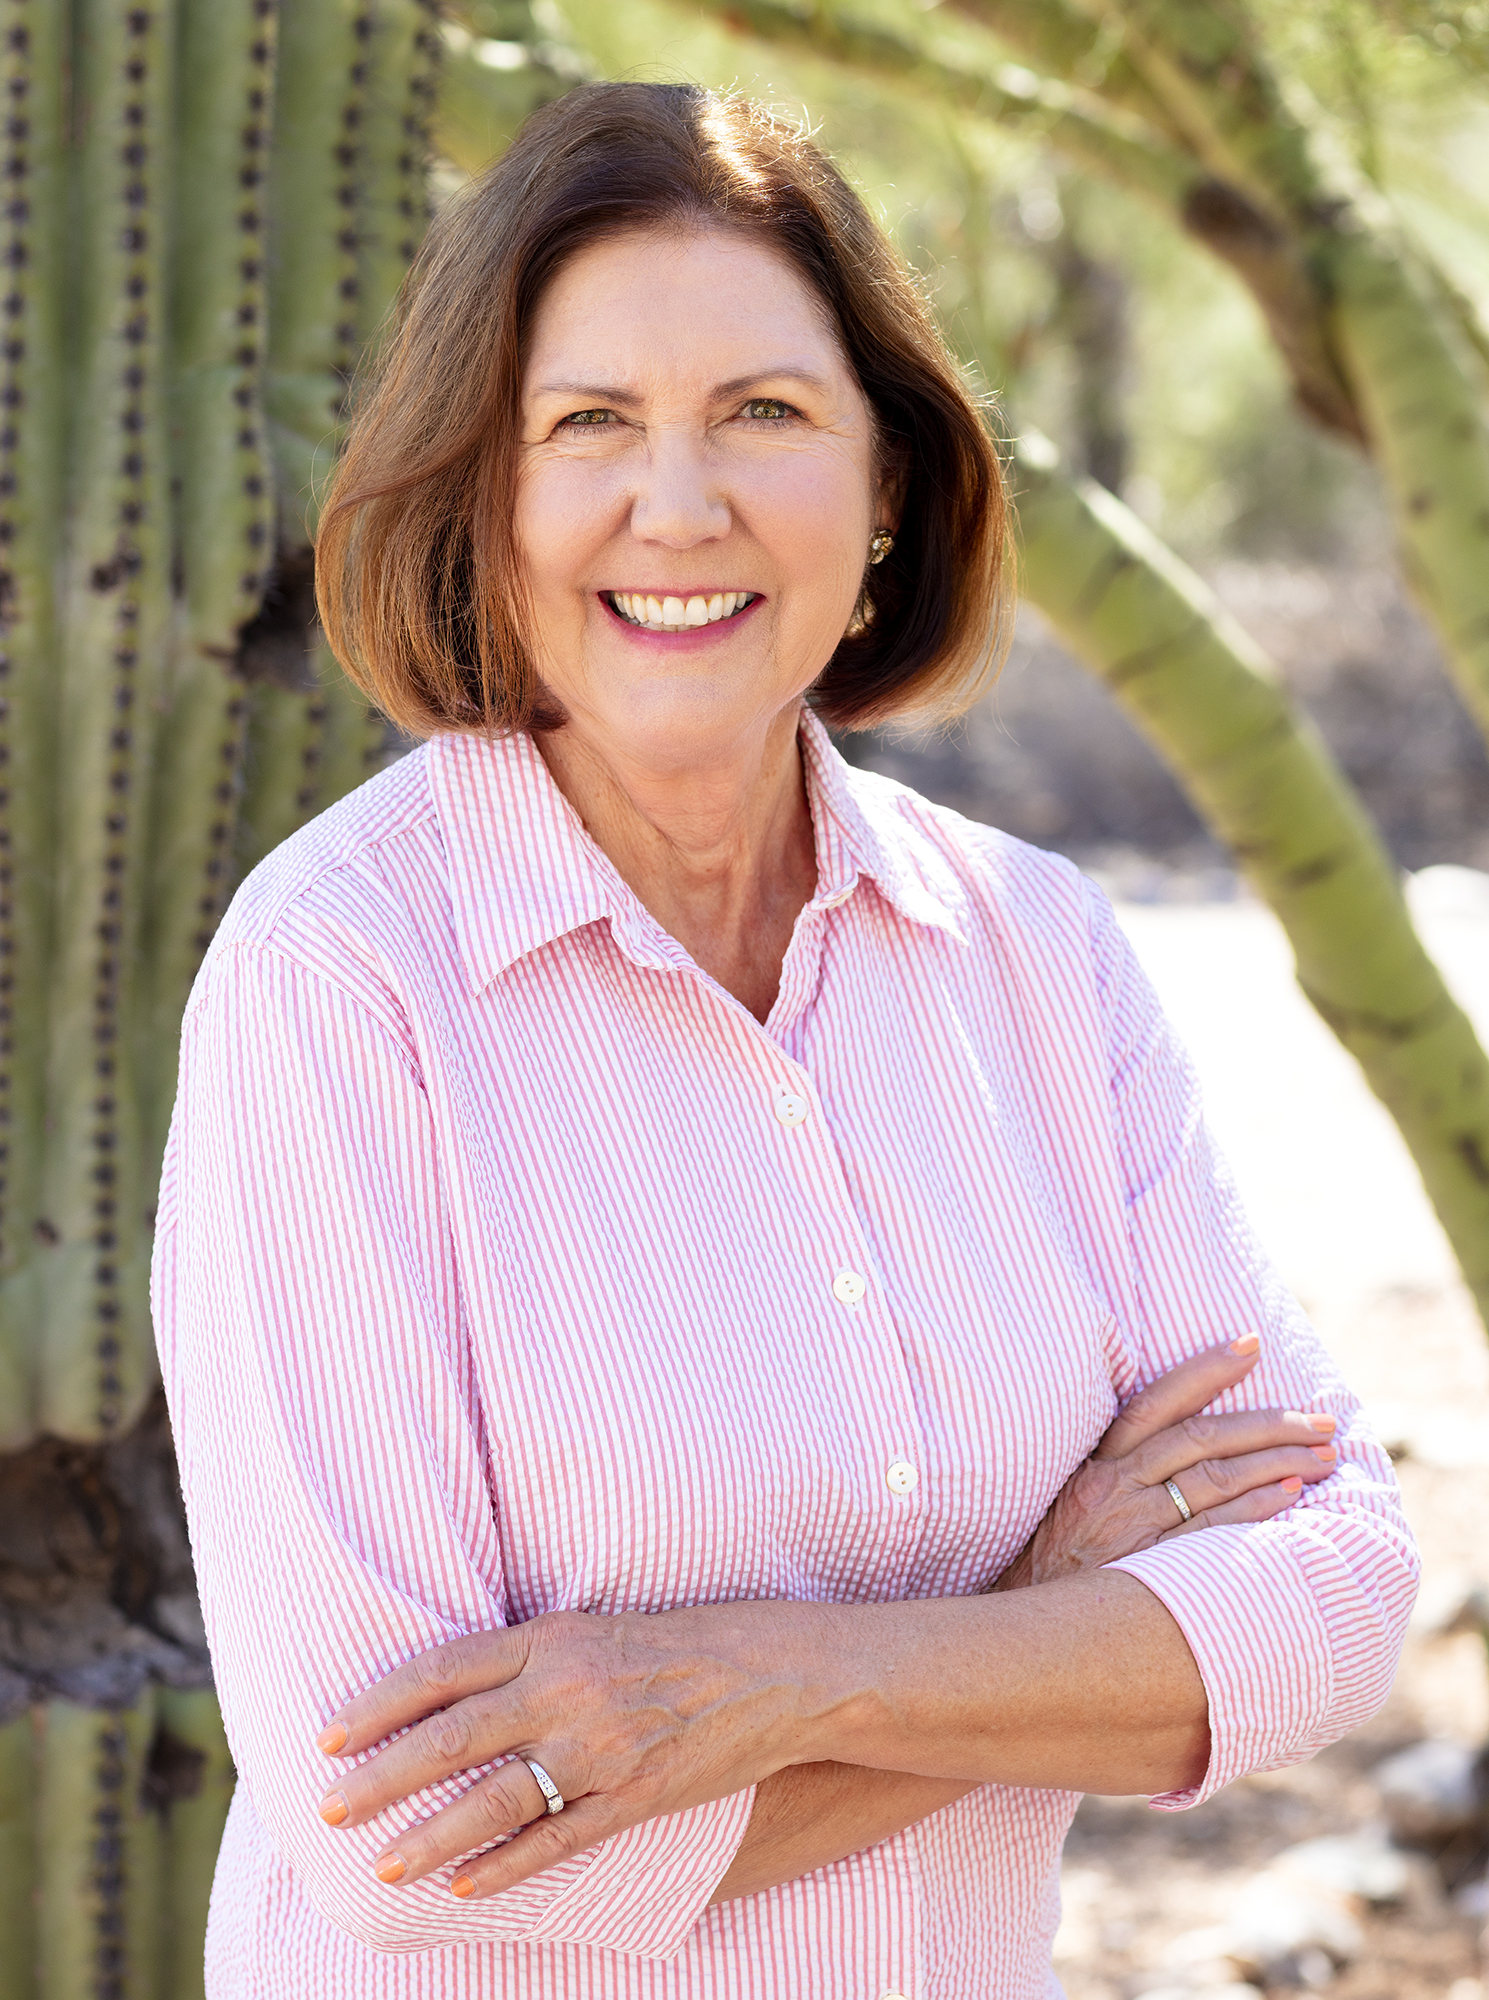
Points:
208	207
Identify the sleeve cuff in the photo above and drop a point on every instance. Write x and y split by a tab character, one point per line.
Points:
1261	1642
645	1890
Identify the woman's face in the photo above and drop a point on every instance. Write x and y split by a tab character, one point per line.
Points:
693	440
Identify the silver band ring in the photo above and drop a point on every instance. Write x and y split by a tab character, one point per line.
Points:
1179	1501
553	1798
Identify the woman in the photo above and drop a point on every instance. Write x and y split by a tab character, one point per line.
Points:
656	1220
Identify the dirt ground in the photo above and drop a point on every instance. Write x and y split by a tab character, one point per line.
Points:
1335	1199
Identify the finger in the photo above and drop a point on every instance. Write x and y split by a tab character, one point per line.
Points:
1214	1484
546	1842
428	1681
1179	1393
495	1806
472	1733
1261	1504
1212	1438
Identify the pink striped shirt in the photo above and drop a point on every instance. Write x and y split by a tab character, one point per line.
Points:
505	1263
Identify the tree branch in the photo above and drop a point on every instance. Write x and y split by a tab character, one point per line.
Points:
1063	40
1110	144
1203	63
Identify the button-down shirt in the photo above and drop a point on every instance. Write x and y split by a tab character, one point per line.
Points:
507	1264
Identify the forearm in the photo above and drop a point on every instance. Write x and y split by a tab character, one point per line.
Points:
1085	1684
812	1814
1089	1690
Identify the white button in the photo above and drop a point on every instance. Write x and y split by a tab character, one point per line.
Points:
790	1108
894	1996
848	1287
901	1476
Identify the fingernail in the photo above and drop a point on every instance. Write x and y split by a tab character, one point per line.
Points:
462	1886
1247	1344
1324	1451
331	1738
333	1808
1321	1421
1291	1485
392	1868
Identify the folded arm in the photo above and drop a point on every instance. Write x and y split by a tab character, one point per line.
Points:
333	1459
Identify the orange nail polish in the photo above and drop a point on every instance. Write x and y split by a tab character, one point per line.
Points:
331	1738
1291	1485
1247	1344
1324	1451
333	1808
1320	1421
462	1886
392	1868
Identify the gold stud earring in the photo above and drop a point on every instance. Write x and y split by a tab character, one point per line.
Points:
880	544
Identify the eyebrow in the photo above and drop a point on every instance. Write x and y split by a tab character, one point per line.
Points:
619	394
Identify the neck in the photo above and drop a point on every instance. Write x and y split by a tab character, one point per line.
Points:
720	851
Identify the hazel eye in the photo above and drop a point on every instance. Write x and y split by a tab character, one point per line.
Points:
768	409
586	419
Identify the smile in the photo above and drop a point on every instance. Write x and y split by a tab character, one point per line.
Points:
677	614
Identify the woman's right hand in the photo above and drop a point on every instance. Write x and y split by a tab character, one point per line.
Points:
1243	1467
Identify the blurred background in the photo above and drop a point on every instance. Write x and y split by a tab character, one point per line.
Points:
1222	269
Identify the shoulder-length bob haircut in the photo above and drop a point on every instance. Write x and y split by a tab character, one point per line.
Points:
418	577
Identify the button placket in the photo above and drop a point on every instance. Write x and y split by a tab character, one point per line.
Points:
793	1110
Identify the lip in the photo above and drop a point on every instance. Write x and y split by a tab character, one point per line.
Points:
685	635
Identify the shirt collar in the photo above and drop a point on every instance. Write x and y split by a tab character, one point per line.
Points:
524	872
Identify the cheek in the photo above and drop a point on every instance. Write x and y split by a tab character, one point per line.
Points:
561	514
815	517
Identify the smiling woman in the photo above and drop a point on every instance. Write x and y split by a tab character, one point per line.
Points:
421	588
718	1379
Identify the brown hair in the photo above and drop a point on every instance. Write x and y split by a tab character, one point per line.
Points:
417	573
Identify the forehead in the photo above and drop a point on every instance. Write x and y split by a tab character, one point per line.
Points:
705	303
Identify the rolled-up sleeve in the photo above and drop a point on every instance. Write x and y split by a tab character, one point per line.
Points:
333	1460
1296	1623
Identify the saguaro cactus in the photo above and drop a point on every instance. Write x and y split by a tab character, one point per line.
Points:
209	206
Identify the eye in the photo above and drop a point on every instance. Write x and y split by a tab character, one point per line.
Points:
586	420
769	409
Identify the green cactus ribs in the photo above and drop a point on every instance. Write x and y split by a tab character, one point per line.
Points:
208	207
121	572
17	258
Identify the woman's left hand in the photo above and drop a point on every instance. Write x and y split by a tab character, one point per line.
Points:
632	1716
1240	1468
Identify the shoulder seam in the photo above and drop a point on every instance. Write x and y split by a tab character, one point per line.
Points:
241	947
275	913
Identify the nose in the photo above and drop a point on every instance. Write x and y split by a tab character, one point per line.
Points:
678	503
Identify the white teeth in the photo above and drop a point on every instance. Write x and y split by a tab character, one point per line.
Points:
676	614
